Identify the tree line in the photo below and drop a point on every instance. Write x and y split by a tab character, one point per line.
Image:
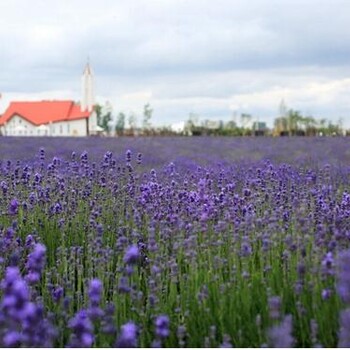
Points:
290	123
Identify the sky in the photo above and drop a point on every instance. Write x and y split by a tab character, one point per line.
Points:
214	59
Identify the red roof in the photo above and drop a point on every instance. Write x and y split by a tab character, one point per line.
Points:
44	112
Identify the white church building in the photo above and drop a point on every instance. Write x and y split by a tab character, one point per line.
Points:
53	117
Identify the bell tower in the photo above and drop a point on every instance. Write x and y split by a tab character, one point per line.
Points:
87	83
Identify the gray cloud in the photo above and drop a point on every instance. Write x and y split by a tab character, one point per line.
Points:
181	55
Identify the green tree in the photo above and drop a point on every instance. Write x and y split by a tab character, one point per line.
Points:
295	119
120	126
105	121
310	125
147	115
98	110
102	119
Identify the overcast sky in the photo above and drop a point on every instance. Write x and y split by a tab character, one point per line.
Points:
211	58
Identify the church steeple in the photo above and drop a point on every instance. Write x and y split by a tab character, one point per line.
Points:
87	102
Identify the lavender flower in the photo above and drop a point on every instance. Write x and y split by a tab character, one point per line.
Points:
12	339
328	263
123	286
226	342
139	158
344	334
95	291
343	286
274	307
57	293
128	336
128	156
281	335
181	335
108	324
16	294
162	324
82	330
326	293
23	323
132	255
13	207
42	154
36	263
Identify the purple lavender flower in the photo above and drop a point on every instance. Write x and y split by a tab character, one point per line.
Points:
36	263
29	241
42	154
123	286
16	294
13	207
226	342
24	323
326	293
132	255
128	336
82	330
108	324
181	335
12	339
274	307
281	335
156	344
57	293
84	157
128	156
344	334
162	324
327	264
139	158
95	291
343	286
4	187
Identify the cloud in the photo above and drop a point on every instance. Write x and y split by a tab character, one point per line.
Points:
182	56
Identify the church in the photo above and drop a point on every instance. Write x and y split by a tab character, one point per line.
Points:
53	117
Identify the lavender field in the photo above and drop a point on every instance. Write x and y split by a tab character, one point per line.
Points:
175	242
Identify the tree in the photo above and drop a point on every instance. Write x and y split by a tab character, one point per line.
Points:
310	125
105	123
132	121
295	119
120	125
98	110
103	118
147	115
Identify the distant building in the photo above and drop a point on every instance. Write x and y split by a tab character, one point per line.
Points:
53	118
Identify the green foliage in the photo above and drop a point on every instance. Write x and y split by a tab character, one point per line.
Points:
102	120
147	115
294	123
120	126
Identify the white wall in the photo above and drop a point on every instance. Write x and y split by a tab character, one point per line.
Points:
93	123
71	128
17	126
